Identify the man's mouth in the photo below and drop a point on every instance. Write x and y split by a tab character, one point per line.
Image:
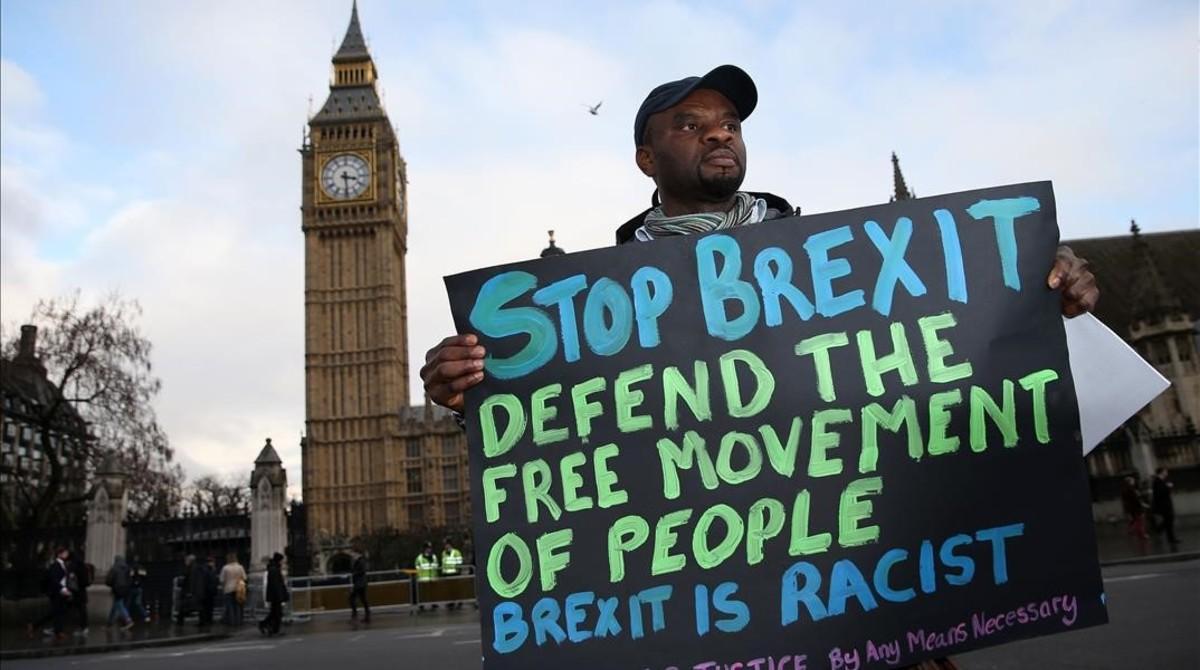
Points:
721	158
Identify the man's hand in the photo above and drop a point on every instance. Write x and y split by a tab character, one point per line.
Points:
452	367
1078	284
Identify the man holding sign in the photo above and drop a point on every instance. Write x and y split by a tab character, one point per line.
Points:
689	141
709	486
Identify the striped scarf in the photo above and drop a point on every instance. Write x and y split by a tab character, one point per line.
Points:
746	209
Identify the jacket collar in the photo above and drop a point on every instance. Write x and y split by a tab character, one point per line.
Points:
779	206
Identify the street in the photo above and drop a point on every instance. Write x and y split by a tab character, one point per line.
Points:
1153	609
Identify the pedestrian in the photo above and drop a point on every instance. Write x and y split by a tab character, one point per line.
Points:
1135	512
358	588
137	590
276	594
208	592
58	596
452	559
233	590
79	578
119	582
1163	507
452	562
187	587
688	138
426	564
427	569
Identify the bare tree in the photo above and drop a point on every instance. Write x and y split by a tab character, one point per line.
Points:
213	495
98	378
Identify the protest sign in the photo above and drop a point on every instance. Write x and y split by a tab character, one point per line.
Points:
832	441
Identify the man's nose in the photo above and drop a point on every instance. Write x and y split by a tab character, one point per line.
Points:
717	134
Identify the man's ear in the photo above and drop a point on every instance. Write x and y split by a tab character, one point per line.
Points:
644	158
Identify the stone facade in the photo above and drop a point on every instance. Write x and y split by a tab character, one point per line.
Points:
107	505
1150	295
369	460
268	507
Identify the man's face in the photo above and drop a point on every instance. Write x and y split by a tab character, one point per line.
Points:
694	150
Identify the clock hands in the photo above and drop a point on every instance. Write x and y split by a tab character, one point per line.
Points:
350	171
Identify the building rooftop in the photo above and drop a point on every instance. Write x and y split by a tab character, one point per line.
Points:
1120	266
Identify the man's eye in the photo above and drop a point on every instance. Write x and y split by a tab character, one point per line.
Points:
733	127
689	126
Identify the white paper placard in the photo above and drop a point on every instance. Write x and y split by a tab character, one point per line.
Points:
1112	382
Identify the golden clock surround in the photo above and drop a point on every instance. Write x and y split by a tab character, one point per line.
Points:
323	157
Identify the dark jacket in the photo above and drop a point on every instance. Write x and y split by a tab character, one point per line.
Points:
118	579
777	208
210	582
276	589
1131	501
1161	502
192	586
359	573
79	578
55	579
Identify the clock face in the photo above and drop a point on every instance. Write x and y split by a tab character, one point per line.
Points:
345	176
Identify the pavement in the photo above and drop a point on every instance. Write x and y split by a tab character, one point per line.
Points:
1153	610
15	642
1115	545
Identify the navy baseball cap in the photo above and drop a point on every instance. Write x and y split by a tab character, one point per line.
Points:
730	81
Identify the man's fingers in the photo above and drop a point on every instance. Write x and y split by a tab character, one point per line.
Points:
454	341
452	370
451	367
1080	287
452	353
463	383
1059	273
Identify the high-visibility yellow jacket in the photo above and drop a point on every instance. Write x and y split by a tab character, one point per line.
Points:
427	567
452	561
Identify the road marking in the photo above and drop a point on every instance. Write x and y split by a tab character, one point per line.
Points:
475	641
1134	578
358	637
437	632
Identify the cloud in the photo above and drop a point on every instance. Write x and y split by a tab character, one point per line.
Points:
157	156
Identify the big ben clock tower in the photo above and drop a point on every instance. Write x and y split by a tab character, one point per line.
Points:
354	218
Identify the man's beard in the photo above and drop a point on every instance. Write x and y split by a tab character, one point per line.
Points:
721	186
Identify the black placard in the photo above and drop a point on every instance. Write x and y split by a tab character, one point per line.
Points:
832	441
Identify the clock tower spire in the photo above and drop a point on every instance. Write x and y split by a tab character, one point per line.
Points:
354	217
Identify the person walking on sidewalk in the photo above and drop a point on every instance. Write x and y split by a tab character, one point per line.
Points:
276	594
1135	511
233	583
79	578
1163	507
191	588
358	589
57	594
120	582
208	594
137	586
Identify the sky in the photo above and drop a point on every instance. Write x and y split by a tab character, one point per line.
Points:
150	147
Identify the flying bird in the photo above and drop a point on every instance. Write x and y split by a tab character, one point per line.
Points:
594	110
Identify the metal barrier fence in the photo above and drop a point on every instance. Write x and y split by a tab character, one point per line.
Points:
386	589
